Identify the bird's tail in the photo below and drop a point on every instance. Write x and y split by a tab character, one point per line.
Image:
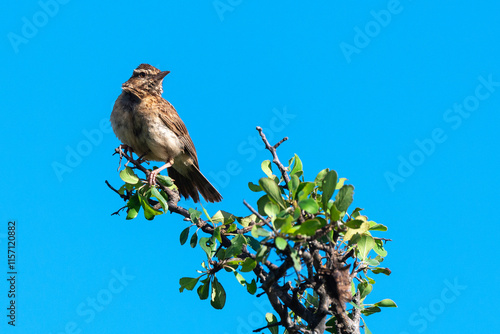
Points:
192	184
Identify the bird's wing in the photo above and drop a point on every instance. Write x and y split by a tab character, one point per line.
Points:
171	118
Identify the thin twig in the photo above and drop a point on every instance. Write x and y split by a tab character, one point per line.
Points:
280	142
276	160
383	239
266	221
173	199
268	326
125	197
118	212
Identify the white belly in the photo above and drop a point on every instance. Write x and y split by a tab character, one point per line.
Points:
145	133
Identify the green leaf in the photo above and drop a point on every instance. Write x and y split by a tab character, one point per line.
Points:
280	243
295	259
297	213
371	310
206	214
344	198
365	245
370	280
223	217
221	255
248	265
272	190
364	289
271	319
340	184
328	186
217	233
386	303
204	289
304	190
355	212
149	212
161	199
184	235
240	278
309	205
261	253
297	166
245	221
320	177
293	185
355	223
258	231
253	243
133	201
377	227
283	224
208	246
129	176
313	300
218	295
261	203
266	168
133	212
372	262
335	214
254	187
194	240
356	306
194	214
165	180
271	209
236	244
309	227
134	206
359	231
385	271
121	191
252	287
379	248
188	283
331	325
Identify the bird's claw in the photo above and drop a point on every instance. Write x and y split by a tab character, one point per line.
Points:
152	178
123	150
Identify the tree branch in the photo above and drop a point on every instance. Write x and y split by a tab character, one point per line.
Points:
173	199
255	212
272	149
325	268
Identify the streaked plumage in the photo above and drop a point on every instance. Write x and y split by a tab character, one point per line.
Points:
151	126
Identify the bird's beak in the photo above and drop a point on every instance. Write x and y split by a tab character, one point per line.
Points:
162	75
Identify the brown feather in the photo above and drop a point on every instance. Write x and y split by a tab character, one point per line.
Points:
194	183
171	119
151	126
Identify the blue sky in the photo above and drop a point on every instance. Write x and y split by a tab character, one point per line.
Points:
400	97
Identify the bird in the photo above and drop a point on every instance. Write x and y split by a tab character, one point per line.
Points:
148	124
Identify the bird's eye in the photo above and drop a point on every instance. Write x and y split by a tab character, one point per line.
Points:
142	75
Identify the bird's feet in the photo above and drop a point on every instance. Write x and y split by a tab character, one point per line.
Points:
123	150
152	175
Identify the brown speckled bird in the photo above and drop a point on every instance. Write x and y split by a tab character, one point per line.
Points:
151	127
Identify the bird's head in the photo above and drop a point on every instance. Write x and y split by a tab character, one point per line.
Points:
146	80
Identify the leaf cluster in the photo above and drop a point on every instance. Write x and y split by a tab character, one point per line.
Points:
301	245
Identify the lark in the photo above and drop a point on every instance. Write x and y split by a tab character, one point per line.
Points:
148	124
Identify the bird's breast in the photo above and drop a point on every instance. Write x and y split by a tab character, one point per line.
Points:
137	124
